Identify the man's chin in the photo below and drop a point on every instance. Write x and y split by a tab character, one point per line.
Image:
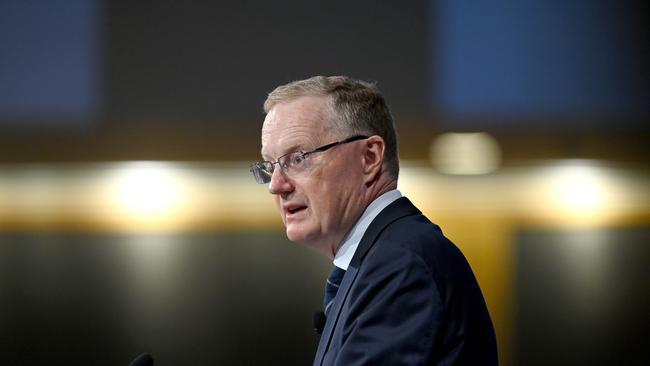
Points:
295	236
298	235
310	239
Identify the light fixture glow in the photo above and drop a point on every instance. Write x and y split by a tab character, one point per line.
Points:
578	190
147	190
465	153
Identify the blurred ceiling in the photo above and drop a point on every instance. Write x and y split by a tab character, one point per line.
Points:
168	80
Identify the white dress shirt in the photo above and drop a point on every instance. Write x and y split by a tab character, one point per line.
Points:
351	241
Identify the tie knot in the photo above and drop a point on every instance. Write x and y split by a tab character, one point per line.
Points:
336	276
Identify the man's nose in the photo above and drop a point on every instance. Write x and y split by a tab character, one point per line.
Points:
280	183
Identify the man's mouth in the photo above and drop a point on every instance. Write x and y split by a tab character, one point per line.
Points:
295	210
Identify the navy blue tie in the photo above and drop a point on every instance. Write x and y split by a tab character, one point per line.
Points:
332	286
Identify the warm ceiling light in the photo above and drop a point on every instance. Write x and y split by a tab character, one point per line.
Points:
147	190
579	189
465	153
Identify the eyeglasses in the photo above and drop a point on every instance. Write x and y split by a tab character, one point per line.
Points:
294	161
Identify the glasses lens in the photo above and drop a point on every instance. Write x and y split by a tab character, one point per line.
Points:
262	171
293	162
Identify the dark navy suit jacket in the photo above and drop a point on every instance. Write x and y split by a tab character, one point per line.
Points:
408	297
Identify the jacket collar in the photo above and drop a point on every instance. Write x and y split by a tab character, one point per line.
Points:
401	207
396	210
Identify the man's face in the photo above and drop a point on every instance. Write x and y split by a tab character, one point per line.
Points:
319	203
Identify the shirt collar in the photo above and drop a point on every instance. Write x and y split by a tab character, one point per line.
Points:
351	241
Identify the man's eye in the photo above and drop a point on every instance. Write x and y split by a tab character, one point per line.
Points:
298	158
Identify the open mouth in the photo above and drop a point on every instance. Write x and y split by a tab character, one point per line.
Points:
297	209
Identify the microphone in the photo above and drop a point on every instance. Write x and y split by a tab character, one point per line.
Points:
319	321
144	359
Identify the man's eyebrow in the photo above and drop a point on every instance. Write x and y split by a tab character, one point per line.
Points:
292	148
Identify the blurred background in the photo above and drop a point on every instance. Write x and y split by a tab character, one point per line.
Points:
129	222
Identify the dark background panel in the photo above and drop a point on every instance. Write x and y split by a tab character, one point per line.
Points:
583	297
185	80
214	298
51	62
451	64
202	60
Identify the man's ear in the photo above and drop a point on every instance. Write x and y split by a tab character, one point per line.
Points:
373	158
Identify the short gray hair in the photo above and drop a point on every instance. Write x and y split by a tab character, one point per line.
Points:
359	106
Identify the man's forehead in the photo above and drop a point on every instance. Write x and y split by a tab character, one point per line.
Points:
313	110
293	123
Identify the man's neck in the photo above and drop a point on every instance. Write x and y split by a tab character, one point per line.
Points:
382	185
351	241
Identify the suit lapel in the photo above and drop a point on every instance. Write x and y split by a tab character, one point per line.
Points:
399	208
396	210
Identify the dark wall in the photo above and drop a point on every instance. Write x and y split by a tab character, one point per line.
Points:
457	64
200	299
196	60
184	80
582	297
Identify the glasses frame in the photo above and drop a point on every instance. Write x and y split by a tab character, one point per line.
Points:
256	167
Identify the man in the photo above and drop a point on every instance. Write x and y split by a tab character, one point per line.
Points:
400	292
